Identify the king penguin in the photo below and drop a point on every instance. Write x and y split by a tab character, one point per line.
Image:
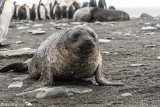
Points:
7	10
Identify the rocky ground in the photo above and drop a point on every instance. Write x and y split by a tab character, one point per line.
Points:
131	57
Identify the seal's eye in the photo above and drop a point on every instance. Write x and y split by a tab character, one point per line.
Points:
93	35
76	35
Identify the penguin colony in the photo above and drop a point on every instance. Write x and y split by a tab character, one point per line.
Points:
55	10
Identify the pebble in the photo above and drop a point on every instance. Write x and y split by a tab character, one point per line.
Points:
22	27
17	84
47	92
21	78
158	25
37	25
38	32
150	33
148	28
76	23
158	57
105	52
126	94
150	46
28	104
137	65
104	40
18	42
61	24
127	34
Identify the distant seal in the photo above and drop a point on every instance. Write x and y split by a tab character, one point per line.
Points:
67	55
85	4
83	14
146	16
99	14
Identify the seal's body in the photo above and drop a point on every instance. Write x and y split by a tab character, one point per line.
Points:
85	4
70	54
5	18
99	14
83	14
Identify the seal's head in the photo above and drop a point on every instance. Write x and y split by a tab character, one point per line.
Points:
81	40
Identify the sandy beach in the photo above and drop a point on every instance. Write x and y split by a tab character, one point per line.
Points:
131	57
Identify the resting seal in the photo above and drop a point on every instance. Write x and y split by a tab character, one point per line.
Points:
70	54
83	14
99	14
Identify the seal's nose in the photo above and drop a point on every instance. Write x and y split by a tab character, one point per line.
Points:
88	44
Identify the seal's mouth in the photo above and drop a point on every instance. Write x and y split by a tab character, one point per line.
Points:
86	48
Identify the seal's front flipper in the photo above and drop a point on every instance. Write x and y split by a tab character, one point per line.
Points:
4	45
101	79
2	2
46	78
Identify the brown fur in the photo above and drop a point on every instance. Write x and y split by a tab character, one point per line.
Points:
108	15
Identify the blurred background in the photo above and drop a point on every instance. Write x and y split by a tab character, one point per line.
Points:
133	7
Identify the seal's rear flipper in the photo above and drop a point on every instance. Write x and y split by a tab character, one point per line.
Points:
15	67
4	45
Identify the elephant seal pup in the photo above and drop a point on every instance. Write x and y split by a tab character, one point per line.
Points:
83	14
99	14
67	55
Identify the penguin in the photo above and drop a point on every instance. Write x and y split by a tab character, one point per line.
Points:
102	4
2	5
24	12
27	11
42	11
71	11
57	12
93	3
15	11
7	10
22	15
76	5
52	5
48	9
64	12
33	12
85	4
